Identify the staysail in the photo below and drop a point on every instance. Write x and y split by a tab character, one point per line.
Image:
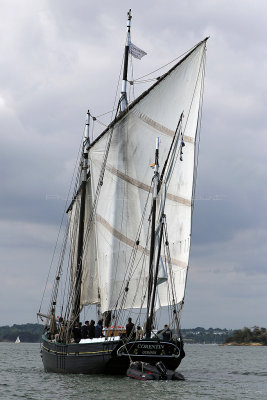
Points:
127	182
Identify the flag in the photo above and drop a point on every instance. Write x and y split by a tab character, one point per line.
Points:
136	52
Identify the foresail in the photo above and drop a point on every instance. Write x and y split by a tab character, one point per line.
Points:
89	280
89	285
122	278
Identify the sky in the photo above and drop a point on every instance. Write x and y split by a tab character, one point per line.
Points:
60	58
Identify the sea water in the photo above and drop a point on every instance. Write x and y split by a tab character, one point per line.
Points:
211	372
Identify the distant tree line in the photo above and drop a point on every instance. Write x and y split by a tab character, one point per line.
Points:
29	333
202	335
247	336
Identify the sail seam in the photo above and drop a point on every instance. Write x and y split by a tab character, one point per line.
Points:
159	127
131	242
145	187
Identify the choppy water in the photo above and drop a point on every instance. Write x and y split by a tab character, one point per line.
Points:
212	372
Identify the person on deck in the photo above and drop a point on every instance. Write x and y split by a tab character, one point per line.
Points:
130	330
98	329
85	330
166	333
59	323
91	329
139	332
77	335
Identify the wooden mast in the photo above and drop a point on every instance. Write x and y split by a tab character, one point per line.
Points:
152	240
155	282
77	288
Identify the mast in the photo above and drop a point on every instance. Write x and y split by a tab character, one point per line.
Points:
77	289
152	306
152	241
123	99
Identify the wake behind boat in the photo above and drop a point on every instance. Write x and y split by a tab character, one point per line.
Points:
126	246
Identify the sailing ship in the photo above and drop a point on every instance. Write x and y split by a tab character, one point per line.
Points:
125	251
17	340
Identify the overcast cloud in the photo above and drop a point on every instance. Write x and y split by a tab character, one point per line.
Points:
59	58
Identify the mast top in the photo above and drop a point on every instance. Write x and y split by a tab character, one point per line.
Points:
129	13
123	99
86	140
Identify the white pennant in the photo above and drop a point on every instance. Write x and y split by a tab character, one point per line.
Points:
136	52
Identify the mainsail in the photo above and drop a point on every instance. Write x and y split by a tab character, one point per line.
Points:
116	250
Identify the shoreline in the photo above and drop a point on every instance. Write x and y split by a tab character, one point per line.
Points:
242	344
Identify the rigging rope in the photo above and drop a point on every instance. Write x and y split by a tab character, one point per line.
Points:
61	223
164	66
115	98
55	291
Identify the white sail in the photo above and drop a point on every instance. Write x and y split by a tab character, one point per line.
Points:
73	215
89	282
17	340
127	181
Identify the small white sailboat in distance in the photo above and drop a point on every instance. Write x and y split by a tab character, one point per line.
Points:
17	340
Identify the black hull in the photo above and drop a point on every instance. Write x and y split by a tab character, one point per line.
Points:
108	357
88	358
